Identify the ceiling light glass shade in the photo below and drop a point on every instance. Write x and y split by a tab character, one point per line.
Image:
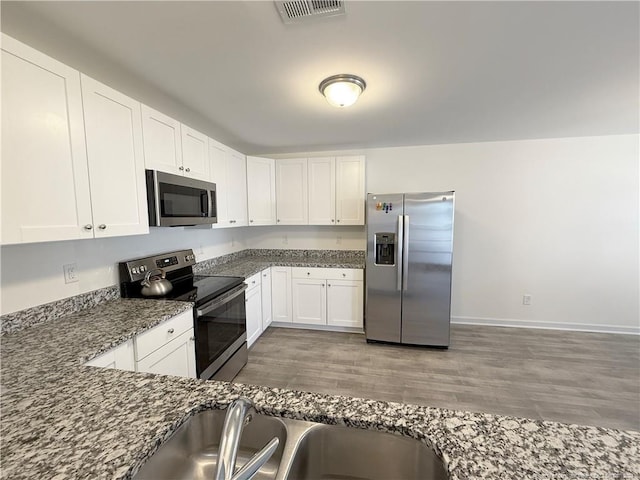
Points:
342	90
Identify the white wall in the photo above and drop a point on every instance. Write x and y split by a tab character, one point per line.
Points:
32	274
557	219
300	237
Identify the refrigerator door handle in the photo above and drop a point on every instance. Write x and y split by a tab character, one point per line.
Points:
405	256
399	254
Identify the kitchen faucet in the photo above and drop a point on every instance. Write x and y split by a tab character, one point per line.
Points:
239	413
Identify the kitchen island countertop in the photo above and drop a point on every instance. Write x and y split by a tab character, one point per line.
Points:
62	420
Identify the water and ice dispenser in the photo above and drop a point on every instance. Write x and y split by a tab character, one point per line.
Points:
385	244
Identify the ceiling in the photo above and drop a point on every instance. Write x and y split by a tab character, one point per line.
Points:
436	72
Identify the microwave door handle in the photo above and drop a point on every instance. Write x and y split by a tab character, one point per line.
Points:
204	203
211	197
212	305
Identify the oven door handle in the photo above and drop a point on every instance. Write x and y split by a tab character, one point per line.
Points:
212	305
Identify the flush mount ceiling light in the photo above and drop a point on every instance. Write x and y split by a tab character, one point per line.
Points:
342	90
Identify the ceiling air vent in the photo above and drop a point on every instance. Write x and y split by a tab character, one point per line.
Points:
298	10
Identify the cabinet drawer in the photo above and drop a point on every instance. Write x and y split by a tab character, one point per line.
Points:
327	273
253	281
344	273
158	336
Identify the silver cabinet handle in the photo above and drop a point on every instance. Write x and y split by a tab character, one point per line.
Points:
250	221
323	285
338	221
264	274
188	170
254	282
192	339
308	273
102	226
171	330
88	226
278	220
180	168
344	274
332	220
328	284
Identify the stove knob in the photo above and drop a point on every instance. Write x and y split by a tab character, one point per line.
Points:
143	268
134	270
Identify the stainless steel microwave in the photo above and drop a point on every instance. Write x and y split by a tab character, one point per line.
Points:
176	201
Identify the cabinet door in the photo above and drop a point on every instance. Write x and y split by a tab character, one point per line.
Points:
281	294
162	141
237	181
266	298
120	358
322	191
261	186
113	126
195	160
218	174
254	315
178	357
350	197
309	301
45	186
291	192
344	303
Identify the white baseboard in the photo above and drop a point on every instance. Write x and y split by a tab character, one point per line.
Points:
579	327
328	328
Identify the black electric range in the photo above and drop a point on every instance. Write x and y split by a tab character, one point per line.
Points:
219	313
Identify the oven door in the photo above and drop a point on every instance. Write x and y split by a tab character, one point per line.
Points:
221	330
179	201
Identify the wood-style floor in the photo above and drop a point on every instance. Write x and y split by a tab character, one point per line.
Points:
572	377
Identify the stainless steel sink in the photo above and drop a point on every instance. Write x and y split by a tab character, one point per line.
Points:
191	453
341	453
307	451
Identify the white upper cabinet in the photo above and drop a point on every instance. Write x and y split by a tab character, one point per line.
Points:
113	127
261	191
350	195
45	186
237	188
162	141
172	147
195	161
218	169
322	191
229	173
291	192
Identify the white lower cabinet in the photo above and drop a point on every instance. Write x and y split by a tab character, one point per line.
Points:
309	301
168	348
253	299
178	357
345	303
267	316
120	358
327	296
281	294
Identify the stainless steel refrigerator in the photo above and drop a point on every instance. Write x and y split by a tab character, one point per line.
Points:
408	274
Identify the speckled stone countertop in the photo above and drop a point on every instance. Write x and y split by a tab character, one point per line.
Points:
245	266
62	420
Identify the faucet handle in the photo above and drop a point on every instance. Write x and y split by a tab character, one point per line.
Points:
257	461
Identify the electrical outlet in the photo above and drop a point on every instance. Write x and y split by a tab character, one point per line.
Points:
70	273
526	299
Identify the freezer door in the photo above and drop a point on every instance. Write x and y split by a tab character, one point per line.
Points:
383	274
428	248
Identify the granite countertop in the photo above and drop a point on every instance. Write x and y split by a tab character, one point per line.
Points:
247	266
62	420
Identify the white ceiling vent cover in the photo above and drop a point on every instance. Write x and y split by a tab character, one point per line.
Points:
298	10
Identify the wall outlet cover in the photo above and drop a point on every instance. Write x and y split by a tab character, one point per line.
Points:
70	272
